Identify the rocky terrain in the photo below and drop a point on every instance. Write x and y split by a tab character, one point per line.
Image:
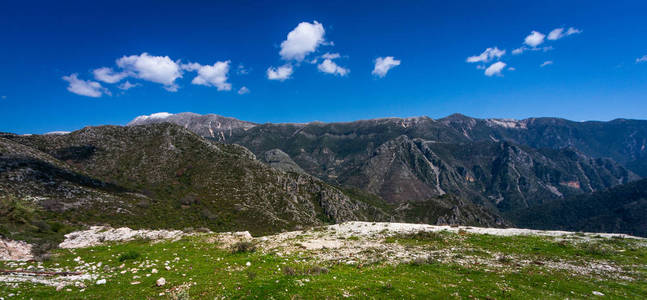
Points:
351	259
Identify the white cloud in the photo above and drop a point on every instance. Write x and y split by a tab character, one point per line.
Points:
281	73
127	85
511	68
158	69
519	50
244	90
495	68
302	40
4	97
641	59
107	75
487	55
190	66
572	30
534	39
84	87
523	49
556	34
241	70
383	65
215	75
331	56
327	55
559	33
330	67
546	63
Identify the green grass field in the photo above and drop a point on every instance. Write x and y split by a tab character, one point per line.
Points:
198	268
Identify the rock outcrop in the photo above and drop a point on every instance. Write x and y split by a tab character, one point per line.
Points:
15	250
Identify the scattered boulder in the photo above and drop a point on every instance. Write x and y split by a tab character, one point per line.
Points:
228	239
160	282
101	281
98	235
15	250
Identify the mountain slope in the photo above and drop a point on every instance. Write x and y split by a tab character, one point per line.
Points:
625	141
177	179
404	160
502	165
619	209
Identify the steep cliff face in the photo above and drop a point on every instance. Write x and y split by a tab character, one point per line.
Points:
496	174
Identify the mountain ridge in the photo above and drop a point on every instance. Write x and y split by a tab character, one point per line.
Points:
501	164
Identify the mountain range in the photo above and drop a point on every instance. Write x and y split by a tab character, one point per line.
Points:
502	165
190	170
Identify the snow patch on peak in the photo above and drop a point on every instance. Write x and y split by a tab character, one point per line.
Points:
159	115
57	132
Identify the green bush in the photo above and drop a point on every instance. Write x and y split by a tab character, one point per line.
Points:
243	247
289	271
595	249
129	255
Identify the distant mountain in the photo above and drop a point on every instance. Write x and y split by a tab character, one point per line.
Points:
622	140
619	209
501	165
210	125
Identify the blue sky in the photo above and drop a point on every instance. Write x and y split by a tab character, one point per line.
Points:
596	73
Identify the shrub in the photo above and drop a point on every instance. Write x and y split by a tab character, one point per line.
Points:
203	230
290	271
421	260
243	247
316	270
595	249
129	255
504	259
427	236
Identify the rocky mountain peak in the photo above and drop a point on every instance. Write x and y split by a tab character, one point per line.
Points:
209	125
